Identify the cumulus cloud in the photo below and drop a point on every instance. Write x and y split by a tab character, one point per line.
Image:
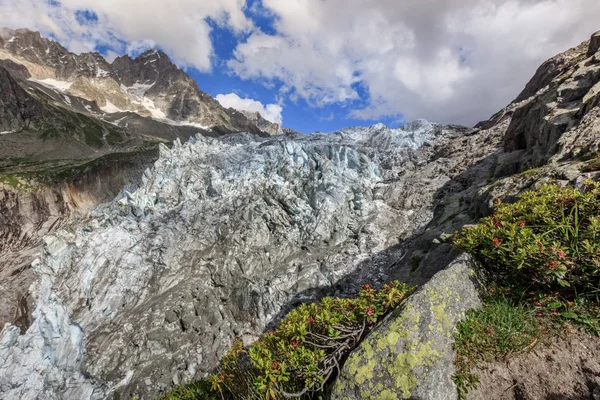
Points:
446	60
179	27
270	112
453	61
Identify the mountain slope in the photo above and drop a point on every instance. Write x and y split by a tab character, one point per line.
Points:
149	85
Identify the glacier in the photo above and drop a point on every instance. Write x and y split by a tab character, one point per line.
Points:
221	237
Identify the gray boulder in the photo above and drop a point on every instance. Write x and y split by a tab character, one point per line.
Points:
594	44
410	355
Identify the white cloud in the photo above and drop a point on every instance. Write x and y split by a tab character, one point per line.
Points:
179	27
446	60
270	112
453	61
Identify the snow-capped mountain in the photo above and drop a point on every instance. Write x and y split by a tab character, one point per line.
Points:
149	85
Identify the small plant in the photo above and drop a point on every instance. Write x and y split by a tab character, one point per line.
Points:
497	331
298	359
548	239
542	255
192	391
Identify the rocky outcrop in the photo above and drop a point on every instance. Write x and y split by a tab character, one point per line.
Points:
410	355
562	98
594	44
269	127
17	108
17	71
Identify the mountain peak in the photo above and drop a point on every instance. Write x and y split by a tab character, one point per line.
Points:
153	53
149	84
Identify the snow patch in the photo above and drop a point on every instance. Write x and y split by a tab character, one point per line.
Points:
156	112
100	73
12	39
6	132
110	108
118	121
186	123
138	91
53	83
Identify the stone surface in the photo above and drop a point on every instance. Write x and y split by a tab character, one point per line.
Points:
410	355
566	93
17	109
594	44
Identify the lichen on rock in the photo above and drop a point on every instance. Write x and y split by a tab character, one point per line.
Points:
410	355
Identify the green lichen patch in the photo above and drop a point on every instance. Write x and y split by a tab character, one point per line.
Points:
399	358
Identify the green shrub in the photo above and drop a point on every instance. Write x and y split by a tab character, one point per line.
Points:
542	255
193	391
297	359
548	240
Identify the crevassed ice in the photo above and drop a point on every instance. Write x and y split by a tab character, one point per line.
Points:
108	266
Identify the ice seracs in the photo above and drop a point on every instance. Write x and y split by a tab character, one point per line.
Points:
219	237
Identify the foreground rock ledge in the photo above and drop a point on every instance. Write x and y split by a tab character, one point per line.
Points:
410	355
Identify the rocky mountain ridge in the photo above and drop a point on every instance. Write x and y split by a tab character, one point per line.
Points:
149	85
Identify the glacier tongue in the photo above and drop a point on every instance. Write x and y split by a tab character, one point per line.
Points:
221	235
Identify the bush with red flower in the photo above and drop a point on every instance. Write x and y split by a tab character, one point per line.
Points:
542	254
549	239
300	357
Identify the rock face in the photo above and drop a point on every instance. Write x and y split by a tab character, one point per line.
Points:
410	355
266	126
561	97
18	71
594	44
17	108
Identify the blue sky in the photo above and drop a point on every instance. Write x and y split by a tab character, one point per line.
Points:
320	65
298	114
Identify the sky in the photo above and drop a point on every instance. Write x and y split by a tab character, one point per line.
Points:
320	65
